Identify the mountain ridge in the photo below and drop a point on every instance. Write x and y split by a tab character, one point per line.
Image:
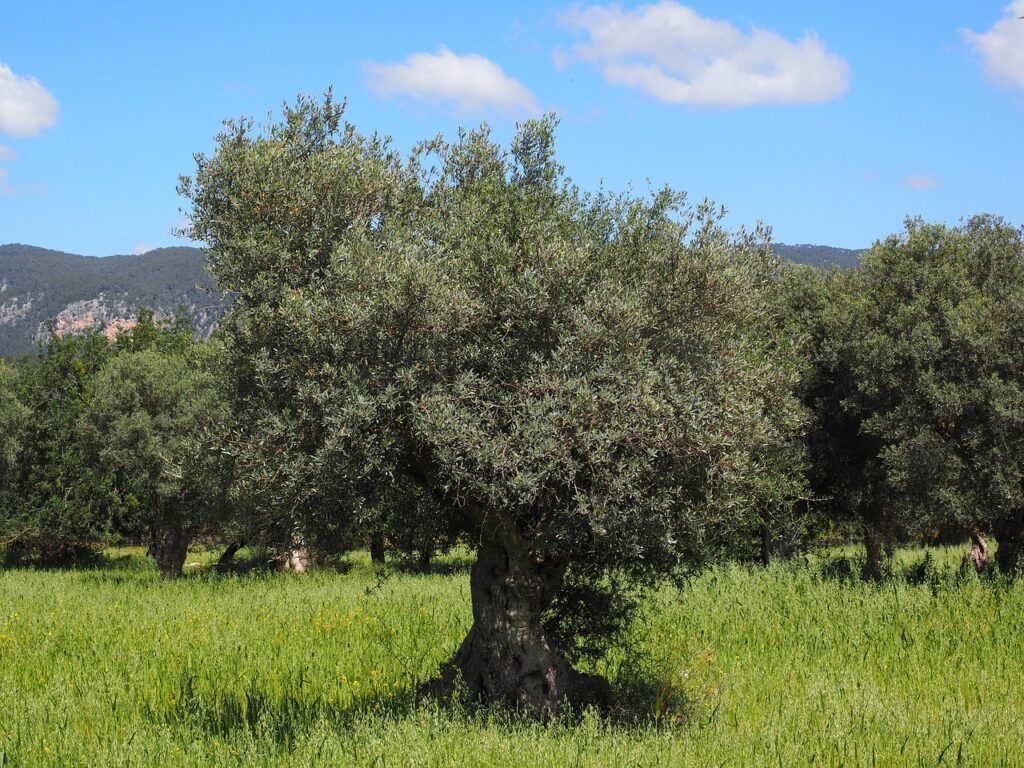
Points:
39	286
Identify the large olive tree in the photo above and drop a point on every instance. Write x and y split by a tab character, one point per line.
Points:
586	384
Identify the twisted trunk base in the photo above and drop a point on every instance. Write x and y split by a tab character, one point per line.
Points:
878	553
977	558
169	545
377	549
298	559
507	655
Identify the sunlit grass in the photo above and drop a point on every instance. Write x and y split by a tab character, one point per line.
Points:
744	667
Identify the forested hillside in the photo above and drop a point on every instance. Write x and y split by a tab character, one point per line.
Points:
819	255
38	285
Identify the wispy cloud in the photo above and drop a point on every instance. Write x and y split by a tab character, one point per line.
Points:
922	183
142	248
26	107
4	188
465	85
1001	47
675	55
6	153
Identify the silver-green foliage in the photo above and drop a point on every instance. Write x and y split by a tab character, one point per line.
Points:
595	376
153	420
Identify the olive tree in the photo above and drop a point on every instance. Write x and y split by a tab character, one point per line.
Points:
844	469
916	388
936	344
57	507
584	384
154	421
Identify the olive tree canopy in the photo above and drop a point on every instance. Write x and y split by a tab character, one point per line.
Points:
935	341
588	384
154	421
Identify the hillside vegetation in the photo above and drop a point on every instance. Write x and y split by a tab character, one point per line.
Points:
39	285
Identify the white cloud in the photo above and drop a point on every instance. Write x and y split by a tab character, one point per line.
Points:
466	85
673	54
142	248
26	107
1001	47
6	153
922	183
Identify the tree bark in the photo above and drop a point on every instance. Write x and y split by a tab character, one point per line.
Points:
877	556
773	547
298	559
978	556
169	545
377	549
228	556
423	562
507	655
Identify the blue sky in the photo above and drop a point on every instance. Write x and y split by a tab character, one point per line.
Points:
830	122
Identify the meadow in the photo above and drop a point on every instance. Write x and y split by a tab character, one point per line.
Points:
796	664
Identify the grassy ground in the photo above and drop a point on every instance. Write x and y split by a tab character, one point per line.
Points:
795	665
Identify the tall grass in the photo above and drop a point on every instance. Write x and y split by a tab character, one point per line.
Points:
742	667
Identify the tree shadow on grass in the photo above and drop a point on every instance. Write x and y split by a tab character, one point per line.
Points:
445	568
257	564
279	716
845	569
51	558
284	716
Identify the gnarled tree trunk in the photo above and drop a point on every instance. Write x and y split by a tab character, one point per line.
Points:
228	556
977	558
377	549
169	545
507	655
877	552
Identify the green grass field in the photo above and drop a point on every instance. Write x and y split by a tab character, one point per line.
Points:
781	667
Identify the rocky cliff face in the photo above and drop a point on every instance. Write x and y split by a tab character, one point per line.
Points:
112	316
40	289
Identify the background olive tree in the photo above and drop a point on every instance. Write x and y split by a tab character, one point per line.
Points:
57	506
915	386
937	345
155	421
